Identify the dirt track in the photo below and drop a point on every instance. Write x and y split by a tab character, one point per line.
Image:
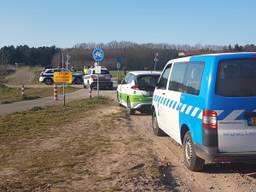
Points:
216	177
140	149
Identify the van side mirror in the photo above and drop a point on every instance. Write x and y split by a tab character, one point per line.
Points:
157	85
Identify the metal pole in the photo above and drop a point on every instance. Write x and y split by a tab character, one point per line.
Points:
64	96
98	84
154	66
118	76
63	87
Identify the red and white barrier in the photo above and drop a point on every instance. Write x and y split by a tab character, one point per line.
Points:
22	90
55	92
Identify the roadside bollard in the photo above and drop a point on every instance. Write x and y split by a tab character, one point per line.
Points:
55	92
22	90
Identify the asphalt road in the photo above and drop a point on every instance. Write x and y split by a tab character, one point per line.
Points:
47	101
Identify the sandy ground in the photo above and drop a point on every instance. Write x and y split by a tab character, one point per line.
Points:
111	152
24	75
216	177
101	152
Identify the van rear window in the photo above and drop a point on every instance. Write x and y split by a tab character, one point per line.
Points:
236	78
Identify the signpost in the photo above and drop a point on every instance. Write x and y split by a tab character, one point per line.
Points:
98	55
63	77
118	66
156	59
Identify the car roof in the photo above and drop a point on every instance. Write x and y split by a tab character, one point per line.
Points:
145	72
215	56
102	68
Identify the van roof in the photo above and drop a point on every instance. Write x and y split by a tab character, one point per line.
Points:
216	55
145	72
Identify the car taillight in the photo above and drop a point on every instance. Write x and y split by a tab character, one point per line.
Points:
209	119
135	87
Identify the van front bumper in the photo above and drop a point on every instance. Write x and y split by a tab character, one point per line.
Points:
212	154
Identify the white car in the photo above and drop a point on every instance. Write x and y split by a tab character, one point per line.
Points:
46	76
136	90
105	81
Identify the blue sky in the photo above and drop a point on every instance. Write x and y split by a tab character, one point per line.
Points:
66	22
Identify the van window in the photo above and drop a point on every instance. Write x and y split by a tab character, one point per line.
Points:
177	77
193	78
236	78
164	78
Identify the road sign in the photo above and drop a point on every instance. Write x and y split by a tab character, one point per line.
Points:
97	69
62	77
98	54
118	65
156	59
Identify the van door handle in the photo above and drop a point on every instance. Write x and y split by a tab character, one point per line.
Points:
163	93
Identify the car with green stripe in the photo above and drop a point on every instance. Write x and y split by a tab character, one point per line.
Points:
136	90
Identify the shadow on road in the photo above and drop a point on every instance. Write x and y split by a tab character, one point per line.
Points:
241	168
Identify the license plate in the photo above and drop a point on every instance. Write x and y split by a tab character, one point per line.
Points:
252	121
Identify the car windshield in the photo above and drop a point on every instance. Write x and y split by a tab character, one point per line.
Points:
103	72
236	78
147	82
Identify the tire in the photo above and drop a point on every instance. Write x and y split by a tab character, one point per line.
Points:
156	129
84	86
78	81
130	111
48	81
191	161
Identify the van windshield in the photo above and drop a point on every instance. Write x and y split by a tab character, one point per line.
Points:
236	78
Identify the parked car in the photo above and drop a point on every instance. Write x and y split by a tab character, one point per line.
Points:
46	76
136	90
105	79
207	103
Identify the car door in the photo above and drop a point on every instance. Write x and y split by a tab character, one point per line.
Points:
123	88
160	95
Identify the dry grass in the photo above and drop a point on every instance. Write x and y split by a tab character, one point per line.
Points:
88	145
10	95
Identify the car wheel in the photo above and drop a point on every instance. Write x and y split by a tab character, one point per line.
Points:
192	162
78	81
84	86
48	81
156	129
130	111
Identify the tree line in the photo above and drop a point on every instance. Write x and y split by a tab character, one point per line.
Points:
131	56
25	55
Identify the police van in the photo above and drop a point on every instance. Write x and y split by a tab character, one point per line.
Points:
207	103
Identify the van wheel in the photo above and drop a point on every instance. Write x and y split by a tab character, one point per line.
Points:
192	162
130	111
156	129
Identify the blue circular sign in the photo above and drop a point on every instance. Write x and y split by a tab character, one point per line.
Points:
98	54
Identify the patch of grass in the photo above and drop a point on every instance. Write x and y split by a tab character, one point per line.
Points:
37	121
10	95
